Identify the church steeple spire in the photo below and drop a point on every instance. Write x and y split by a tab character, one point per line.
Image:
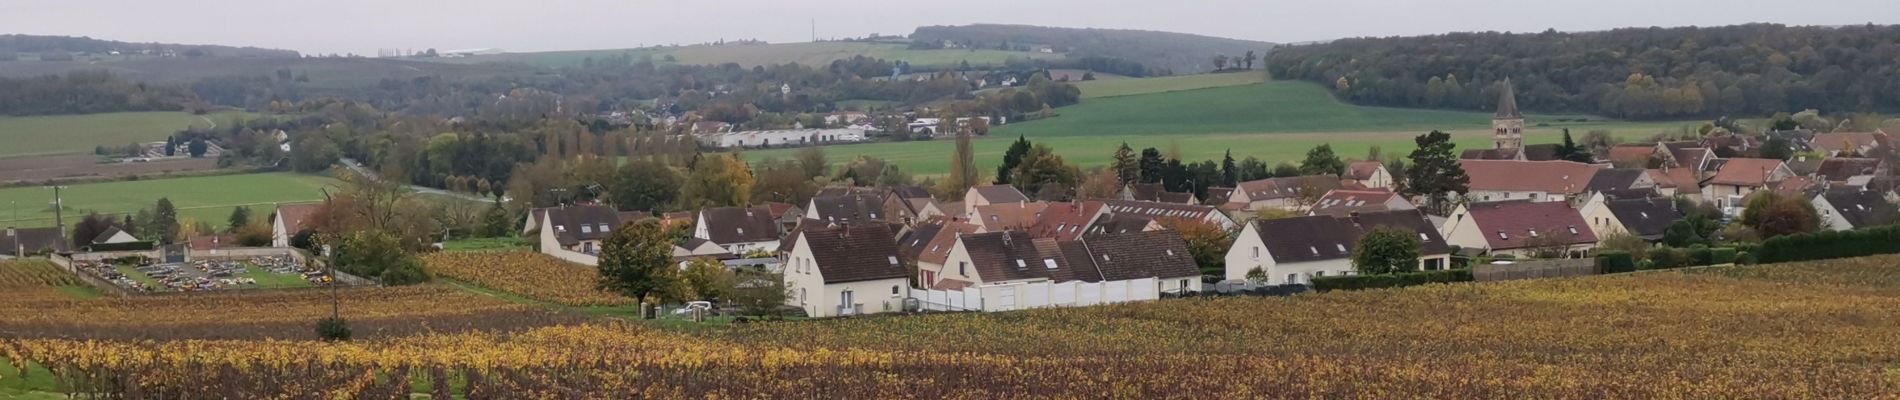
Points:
1507	124
1507	102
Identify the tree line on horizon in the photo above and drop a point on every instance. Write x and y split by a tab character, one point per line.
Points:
1635	73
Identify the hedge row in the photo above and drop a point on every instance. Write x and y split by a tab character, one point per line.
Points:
1615	261
1611	262
1831	244
1403	279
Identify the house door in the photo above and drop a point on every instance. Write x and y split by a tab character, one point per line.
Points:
845	303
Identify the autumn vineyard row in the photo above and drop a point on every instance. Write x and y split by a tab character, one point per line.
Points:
1809	330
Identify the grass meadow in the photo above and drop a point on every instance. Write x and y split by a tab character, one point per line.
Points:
66	134
208	198
1275	121
1122	87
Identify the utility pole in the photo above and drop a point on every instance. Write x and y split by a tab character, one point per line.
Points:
59	211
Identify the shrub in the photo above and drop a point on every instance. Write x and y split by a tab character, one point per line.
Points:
1358	282
1611	262
333	329
1830	244
1700	255
1666	258
1722	255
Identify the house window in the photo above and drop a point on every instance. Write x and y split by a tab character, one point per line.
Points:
1504	236
893	260
893	290
1256	252
1184	284
587	229
1049	262
961	270
603	227
1292	278
801	296
1423	238
1020	264
1319	274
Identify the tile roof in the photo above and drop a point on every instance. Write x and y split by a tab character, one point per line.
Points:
1488	154
1160	211
1343	201
1119	223
910	192
1156	192
1322	237
1691	157
576	223
296	215
1804	165
1745	171
1000	193
1609	179
1136	255
1285	187
1014	256
1013	215
1516	224
1840	169
855	253
1540	152
857	207
1362	170
1065	221
914	241
1564	177
106	235
1838	142
34	241
1219	195
945	239
1632	154
728	225
1644	217
208	242
1682	179
1861	208
779	209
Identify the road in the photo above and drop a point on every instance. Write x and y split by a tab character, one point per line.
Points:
360	170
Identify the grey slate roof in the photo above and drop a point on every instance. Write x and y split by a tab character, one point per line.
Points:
1136	255
855	253
1507	102
33	241
1320	237
1861	207
1645	217
728	225
1610	179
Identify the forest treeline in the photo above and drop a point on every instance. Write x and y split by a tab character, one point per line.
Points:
1118	51
1637	73
82	92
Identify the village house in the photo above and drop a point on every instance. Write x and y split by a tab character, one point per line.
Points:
1296	250
1848	144
1540	181
1165	212
1674	154
113	235
574	232
1521	228
1736	178
990	194
1342	202
1642	217
289	220
1066	221
846	270
934	248
1849	171
993	261
739	230
1291	193
860	206
909	204
26	242
1155	192
1620	180
700	248
1369	174
1008	216
1847	209
1676	182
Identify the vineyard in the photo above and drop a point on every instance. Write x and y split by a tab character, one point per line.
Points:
527	273
1808	330
29	274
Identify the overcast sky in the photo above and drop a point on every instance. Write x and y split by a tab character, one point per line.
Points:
363	26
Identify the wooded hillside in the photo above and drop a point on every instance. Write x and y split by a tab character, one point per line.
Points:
1756	69
1107	50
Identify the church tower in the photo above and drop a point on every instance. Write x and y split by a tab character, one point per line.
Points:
1507	125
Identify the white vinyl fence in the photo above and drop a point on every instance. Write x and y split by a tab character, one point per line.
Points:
1037	295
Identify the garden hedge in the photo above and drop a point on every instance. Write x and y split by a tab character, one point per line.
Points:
1830	244
1615	261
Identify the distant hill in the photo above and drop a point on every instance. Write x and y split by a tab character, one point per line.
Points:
1179	53
1644	73
56	48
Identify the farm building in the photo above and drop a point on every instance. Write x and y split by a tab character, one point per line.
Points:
781	138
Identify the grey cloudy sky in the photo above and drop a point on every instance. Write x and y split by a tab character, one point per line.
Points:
363	26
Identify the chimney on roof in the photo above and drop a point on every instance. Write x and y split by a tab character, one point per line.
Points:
1006	239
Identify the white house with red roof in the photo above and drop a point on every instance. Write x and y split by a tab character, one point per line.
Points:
1736	178
1538	181
290	219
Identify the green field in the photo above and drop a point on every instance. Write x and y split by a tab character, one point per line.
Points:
209	199
1275	121
66	134
819	53
1123	87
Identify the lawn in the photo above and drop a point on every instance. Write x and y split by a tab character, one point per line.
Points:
132	272
487	244
208	198
1276	121
66	134
271	280
1123	87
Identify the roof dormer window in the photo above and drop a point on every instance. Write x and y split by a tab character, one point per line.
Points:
603	227
1504	236
1533	232
1340	246
1020	264
587	229
1573	230
1315	250
893	260
1049	262
1423	238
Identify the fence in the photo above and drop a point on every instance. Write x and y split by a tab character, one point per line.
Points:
96	282
1535	269
1037	295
